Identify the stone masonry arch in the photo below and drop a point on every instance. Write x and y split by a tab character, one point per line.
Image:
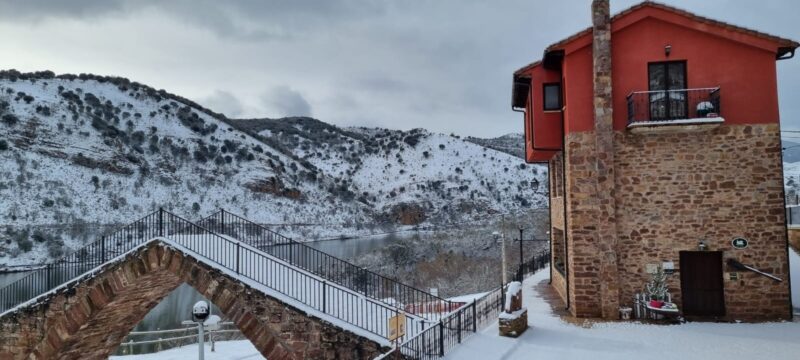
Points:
89	318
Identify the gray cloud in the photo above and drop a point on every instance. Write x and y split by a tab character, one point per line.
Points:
223	102
444	65
37	10
285	101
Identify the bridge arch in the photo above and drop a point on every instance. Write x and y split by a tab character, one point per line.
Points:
89	317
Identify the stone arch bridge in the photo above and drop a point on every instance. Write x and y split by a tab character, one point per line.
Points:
88	317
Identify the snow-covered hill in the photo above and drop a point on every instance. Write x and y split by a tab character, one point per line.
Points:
513	144
408	176
76	151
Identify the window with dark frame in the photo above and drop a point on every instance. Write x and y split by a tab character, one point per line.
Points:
667	85
552	96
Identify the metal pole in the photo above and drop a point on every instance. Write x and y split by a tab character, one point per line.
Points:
200	347
474	316
521	257
237	258
103	249
324	300
161	221
441	339
503	254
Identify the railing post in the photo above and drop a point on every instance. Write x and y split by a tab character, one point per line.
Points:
161	221
441	338
237	258
103	249
222	221
474	316
324	297
502	295
459	325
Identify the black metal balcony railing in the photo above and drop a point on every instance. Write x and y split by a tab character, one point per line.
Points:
671	105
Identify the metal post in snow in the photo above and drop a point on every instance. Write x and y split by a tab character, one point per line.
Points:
201	348
103	249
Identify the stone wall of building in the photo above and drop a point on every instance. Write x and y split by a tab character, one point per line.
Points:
582	213
672	191
675	189
558	282
90	318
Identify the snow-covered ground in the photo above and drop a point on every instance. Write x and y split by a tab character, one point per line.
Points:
224	350
551	338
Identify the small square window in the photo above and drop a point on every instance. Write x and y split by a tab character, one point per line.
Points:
552	97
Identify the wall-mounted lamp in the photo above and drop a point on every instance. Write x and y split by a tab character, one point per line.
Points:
702	245
667	50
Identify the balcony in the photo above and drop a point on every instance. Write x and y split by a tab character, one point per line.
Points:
674	110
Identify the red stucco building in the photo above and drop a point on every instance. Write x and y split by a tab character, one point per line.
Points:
661	132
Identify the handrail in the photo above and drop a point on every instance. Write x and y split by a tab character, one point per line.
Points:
77	262
437	340
245	260
712	89
286	279
337	270
669	106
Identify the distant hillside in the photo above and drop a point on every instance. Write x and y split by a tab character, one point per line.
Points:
513	144
78	152
791	152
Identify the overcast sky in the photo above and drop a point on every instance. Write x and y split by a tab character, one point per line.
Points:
444	65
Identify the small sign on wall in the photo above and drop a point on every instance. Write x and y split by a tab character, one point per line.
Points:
740	243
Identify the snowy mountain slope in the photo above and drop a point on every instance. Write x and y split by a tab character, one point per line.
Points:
407	175
513	144
81	152
89	151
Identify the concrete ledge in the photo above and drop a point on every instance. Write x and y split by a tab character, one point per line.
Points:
672	126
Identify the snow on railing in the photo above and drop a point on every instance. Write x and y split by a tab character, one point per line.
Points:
336	270
302	288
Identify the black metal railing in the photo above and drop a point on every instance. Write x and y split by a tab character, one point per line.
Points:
251	263
370	284
671	105
532	265
437	340
50	275
241	259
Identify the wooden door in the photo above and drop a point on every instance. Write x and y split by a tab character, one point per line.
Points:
701	283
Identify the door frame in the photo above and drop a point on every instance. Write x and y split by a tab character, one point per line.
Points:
683	274
667	98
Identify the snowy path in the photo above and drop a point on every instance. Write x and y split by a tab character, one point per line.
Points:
225	350
551	338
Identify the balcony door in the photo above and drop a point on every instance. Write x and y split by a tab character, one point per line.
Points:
668	98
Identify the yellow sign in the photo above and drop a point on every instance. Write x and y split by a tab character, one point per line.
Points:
397	327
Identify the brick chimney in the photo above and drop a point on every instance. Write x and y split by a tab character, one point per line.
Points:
604	157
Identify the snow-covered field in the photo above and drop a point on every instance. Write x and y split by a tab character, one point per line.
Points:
551	338
224	350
